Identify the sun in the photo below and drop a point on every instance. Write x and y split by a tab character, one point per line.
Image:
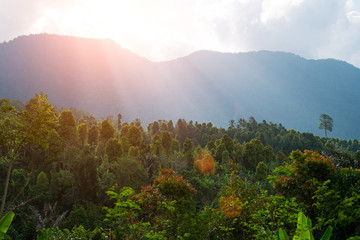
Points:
158	30
127	22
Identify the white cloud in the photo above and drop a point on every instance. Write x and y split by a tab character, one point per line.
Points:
164	29
276	9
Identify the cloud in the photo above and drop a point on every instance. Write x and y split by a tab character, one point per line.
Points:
166	29
312	29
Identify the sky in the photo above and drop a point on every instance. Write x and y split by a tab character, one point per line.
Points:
167	29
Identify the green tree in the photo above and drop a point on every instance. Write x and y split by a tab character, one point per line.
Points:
211	146
107	131
54	148
83	133
156	145
229	144
181	130
326	123
219	151
155	127
19	128
134	152
188	151
67	127
42	182
134	136
166	141
253	153
170	126
175	145
125	144
302	177
225	157
93	135
119	121
42	186
261	171
113	149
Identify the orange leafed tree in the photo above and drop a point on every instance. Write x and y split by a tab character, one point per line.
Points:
205	163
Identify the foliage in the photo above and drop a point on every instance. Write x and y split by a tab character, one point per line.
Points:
5	223
76	233
261	171
83	133
302	177
188	151
106	131
113	148
303	230
173	186
19	128
205	163
67	127
254	214
326	122
46	159
338	203
255	152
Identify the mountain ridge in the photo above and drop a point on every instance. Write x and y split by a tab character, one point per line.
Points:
206	86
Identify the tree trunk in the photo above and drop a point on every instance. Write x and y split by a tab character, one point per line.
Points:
6	186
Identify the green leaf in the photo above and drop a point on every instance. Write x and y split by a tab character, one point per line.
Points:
327	234
281	234
303	231
5	223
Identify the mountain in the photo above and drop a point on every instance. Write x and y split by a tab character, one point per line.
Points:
101	77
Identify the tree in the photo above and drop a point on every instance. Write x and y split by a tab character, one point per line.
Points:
119	121
180	131
253	153
261	172
326	122
134	136
155	127
156	145
166	141
83	133
18	128
229	143
301	178
113	149
188	150
67	127
106	131
54	148
93	135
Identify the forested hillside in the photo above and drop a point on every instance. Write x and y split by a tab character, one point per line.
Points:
67	174
103	78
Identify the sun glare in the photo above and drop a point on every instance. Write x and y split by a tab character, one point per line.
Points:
133	24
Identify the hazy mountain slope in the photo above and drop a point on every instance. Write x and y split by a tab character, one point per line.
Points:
101	77
278	87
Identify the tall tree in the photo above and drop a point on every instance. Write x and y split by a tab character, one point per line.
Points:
180	130
166	141
67	127
326	122
83	133
134	135
119	121
93	135
18	128
188	151
107	131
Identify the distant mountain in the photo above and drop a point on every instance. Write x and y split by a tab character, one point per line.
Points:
101	77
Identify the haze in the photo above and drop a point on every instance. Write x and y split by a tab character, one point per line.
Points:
166	29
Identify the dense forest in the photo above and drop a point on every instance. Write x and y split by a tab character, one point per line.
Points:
67	174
